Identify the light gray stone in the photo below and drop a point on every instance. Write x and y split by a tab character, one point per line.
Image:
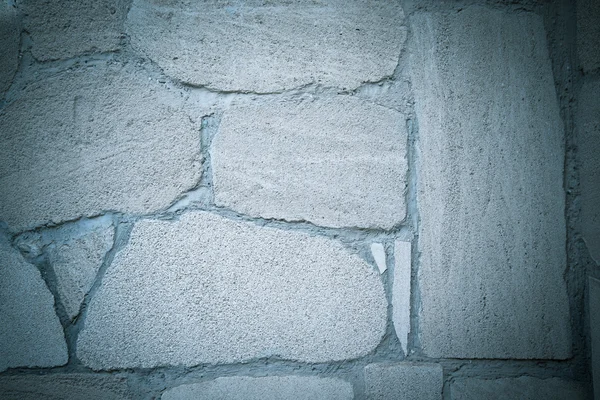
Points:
588	145
594	308
205	289
523	388
271	46
10	31
338	162
588	32
404	381
64	387
265	388
401	292
67	28
30	333
378	252
98	138
490	172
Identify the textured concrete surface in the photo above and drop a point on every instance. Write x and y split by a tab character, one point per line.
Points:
205	289
490	191
64	387
404	381
30	333
401	292
67	28
97	138
10	32
266	388
588	32
588	140
336	162
523	388
593	307
378	252
264	47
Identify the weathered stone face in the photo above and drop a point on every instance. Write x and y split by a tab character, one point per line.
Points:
266	388
490	192
267	47
205	289
95	139
10	34
588	32
30	333
404	381
516	388
337	162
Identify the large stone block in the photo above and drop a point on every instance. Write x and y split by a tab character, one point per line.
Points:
265	388
588	145
98	138
490	172
30	333
588	32
404	381
523	388
271	46
10	40
67	28
205	289
339	162
64	387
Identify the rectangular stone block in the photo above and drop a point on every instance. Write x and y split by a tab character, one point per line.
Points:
401	292
490	187
404	381
523	388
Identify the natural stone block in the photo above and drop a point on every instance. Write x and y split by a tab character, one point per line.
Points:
404	381
593	307
67	28
97	138
490	172
401	292
30	333
588	32
64	387
338	162
205	289
266	47
10	32
588	139
523	388
265	388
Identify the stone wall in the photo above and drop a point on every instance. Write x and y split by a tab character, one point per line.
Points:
292	199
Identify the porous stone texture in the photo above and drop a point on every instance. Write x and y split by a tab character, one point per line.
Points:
588	32
67	28
490	192
266	388
9	44
522	388
30	333
404	381
271	46
401	292
64	387
588	140
593	307
336	162
97	138
205	289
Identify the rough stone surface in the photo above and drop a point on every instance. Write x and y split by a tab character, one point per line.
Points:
490	173
98	138
594	307
401	292
378	252
264	47
404	381
63	387
523	388
588	138
67	28
338	162
266	388
9	44
30	333
588	32
205	289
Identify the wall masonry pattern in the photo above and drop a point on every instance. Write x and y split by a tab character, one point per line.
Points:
287	199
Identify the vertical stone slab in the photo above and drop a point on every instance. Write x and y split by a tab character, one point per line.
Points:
594	307
490	187
588	32
404	381
30	333
522	388
401	292
10	30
